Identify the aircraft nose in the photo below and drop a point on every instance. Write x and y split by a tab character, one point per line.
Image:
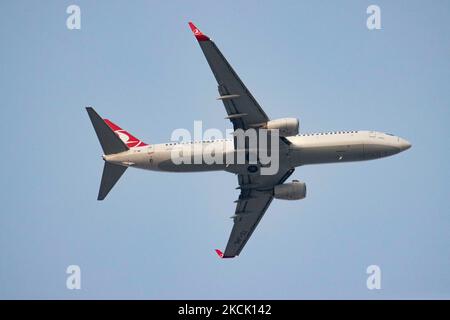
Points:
404	144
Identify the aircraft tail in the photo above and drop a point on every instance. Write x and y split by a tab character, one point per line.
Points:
126	137
111	143
111	174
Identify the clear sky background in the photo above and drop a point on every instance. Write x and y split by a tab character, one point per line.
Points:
154	236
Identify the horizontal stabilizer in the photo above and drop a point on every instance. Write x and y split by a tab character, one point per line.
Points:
109	141
111	174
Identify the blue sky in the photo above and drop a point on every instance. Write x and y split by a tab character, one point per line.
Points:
138	64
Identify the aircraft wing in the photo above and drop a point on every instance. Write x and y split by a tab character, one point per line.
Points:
245	113
256	196
242	109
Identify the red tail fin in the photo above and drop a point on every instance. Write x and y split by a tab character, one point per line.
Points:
130	140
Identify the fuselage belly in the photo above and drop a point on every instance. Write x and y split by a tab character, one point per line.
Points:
319	148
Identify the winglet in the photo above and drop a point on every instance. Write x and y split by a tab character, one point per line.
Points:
197	33
219	253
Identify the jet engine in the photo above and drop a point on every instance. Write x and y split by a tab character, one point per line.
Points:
287	126
294	190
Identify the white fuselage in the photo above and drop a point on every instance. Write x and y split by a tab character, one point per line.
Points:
327	147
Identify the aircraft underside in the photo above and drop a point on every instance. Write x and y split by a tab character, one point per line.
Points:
262	168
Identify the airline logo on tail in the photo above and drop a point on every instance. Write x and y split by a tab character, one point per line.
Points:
130	140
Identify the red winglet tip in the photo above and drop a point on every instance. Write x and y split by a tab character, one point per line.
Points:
219	253
197	33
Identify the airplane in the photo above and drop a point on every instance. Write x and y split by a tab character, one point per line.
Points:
122	150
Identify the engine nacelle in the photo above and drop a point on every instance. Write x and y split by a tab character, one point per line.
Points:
287	126
294	190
